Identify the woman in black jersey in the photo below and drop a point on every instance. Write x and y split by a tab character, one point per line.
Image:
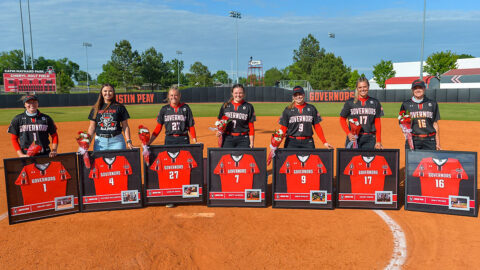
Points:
367	111
32	126
425	115
177	117
240	130
108	119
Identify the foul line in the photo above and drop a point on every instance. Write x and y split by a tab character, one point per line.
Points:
399	242
3	216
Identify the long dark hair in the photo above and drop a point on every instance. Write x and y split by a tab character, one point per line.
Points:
100	101
238	85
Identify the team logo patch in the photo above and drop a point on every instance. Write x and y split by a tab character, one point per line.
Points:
243	107
43	118
429	104
106	120
421	167
371	101
308	109
184	109
459	170
320	165
351	166
385	167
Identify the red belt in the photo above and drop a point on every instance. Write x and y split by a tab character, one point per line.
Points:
367	133
300	138
424	135
237	133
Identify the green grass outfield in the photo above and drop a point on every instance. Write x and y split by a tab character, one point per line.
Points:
449	111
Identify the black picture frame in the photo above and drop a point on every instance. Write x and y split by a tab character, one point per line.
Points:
21	209
320	177
427	188
375	187
120	192
251	177
191	168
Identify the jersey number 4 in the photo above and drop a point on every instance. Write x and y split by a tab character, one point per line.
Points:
111	181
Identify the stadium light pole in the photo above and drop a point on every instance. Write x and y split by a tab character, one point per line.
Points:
31	40
236	15
423	39
178	67
23	37
86	45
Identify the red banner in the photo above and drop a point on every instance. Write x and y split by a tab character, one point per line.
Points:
108	198
168	192
139	98
29	81
297	197
32	208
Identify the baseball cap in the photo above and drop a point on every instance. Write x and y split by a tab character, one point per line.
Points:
30	97
298	89
418	82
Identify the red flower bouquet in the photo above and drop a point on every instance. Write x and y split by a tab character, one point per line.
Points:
405	122
355	128
275	142
34	149
144	135
221	126
83	140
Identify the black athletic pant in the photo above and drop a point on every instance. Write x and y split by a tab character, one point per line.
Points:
365	141
169	140
296	143
230	141
429	143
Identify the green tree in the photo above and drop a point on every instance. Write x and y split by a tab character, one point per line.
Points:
308	54
221	76
242	80
329	73
383	71
175	66
64	81
126	62
109	75
152	67
440	62
81	76
464	55
352	81
199	75
272	76
10	60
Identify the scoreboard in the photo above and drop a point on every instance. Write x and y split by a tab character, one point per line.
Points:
29	81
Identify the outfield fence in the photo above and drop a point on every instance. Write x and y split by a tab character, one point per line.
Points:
253	94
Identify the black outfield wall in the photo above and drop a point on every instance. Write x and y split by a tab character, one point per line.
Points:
254	94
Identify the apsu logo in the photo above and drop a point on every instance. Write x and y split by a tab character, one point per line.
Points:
106	122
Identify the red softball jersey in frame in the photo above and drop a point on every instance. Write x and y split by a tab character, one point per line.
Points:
236	172
367	174
110	175
303	173
173	168
440	177
43	182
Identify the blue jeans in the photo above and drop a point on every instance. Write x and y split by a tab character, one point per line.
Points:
115	143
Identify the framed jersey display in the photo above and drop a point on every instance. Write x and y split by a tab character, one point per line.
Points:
237	177
441	182
303	178
174	175
113	181
368	178
40	187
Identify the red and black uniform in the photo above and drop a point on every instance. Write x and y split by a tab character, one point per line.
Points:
109	120
236	172
242	116
367	174
423	115
303	173
368	112
110	175
178	121
440	177
29	129
173	168
298	124
43	182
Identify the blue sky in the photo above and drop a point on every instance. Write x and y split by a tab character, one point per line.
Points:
366	31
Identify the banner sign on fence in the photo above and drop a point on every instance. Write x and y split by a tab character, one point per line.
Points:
29	81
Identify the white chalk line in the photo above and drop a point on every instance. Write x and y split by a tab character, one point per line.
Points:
195	215
3	216
399	242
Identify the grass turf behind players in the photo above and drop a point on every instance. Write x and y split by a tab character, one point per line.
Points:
448	111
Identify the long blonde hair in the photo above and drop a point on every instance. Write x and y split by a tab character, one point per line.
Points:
238	85
174	88
361	79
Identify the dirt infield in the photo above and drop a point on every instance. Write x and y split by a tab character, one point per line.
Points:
200	237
